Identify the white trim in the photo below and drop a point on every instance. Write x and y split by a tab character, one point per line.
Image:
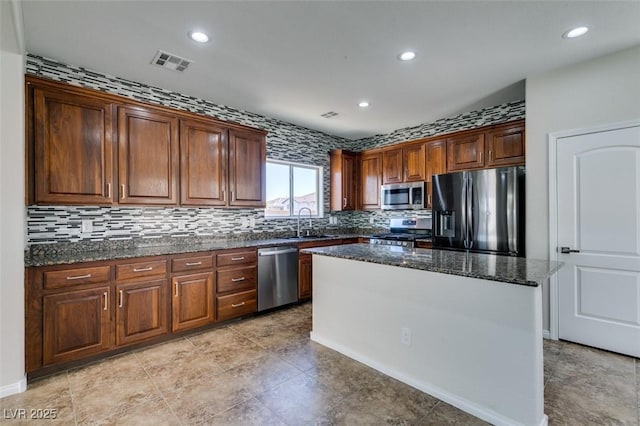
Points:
18	23
14	388
426	387
554	139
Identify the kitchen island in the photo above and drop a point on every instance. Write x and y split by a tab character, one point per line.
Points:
463	327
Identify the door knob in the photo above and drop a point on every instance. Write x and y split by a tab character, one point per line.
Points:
567	250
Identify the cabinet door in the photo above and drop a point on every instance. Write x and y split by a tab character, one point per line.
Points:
349	182
192	301
147	157
343	180
305	276
413	159
247	168
465	152
76	324
142	311
73	148
203	161
392	171
370	181
436	163
505	146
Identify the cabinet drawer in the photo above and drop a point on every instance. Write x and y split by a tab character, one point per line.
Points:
141	269
236	279
237	257
237	304
310	244
192	263
72	277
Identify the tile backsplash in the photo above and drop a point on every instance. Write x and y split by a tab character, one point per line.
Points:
285	141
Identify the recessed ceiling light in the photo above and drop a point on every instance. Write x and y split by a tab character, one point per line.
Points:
363	104
575	32
407	56
199	36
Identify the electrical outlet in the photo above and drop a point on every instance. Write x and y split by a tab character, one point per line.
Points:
405	336
371	219
87	226
252	222
182	224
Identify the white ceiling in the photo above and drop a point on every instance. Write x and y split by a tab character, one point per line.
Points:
295	60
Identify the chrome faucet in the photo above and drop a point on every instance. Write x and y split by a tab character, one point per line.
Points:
310	225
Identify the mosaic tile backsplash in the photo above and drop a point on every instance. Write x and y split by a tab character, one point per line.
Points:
285	141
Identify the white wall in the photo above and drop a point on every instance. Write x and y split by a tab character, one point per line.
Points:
600	91
12	210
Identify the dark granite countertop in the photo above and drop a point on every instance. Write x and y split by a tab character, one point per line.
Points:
514	270
70	253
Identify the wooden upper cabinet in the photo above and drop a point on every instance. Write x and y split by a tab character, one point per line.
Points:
203	163
436	163
392	170
506	146
147	157
247	168
413	159
72	145
465	152
370	180
343	180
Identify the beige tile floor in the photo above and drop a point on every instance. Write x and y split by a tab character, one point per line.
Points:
266	371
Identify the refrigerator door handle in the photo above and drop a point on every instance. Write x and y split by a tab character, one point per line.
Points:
465	230
469	212
512	217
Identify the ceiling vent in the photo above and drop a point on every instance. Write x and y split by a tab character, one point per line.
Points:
329	114
171	61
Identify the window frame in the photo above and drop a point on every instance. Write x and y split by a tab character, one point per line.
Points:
319	188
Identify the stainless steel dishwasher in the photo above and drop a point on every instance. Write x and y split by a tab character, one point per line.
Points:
277	276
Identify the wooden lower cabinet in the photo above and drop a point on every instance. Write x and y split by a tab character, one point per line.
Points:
236	304
305	276
192	301
76	324
142	311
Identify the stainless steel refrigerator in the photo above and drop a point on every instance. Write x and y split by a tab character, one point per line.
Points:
480	211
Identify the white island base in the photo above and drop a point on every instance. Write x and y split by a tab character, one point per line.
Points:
475	344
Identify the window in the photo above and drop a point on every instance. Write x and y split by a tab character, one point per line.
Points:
292	186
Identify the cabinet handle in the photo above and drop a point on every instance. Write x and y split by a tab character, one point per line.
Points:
120	301
108	190
78	277
193	263
106	300
122	191
235	259
149	268
490	155
344	202
235	305
235	280
429	199
175	292
481	156
224	195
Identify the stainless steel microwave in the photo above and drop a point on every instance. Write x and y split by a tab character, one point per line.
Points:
402	196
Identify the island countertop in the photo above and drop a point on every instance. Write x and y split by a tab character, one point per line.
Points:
507	269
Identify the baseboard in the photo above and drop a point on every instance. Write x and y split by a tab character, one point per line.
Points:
461	403
14	388
546	334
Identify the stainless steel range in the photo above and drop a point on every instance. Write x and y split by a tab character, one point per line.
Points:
405	232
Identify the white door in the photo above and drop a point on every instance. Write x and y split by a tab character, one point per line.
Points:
598	199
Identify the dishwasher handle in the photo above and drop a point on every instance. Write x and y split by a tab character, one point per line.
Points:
276	252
